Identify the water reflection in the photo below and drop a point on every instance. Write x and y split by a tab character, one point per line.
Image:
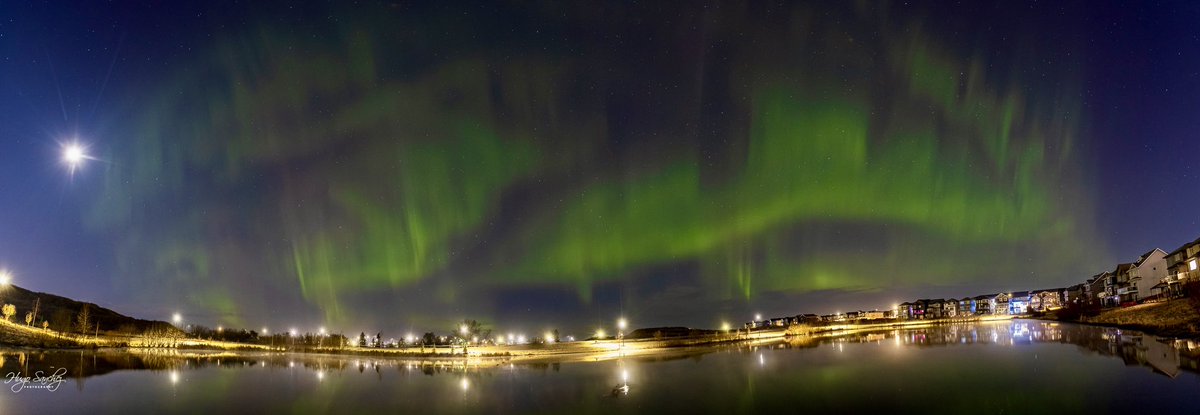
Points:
747	372
1164	356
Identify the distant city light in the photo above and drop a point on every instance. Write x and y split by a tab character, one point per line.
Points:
521	339
549	337
725	326
599	333
463	329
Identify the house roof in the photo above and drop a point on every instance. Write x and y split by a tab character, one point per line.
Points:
1146	256
1123	268
1184	246
986	296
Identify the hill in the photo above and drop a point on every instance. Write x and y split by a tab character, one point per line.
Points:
61	312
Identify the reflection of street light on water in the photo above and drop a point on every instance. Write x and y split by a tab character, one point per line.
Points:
464	384
174	376
623	387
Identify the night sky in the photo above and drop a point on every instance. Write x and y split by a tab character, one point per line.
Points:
534	165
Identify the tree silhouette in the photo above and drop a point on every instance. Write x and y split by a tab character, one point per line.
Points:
83	320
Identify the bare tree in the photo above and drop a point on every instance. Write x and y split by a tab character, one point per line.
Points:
37	304
9	311
83	320
28	318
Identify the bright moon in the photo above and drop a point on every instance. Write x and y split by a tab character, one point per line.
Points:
73	154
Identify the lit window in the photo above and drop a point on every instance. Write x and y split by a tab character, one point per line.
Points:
1192	265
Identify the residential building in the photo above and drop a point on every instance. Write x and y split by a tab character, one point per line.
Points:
920	309
1046	300
1183	265
1148	272
933	310
1124	290
985	304
1096	291
1000	304
950	308
905	311
1018	303
966	307
1076	295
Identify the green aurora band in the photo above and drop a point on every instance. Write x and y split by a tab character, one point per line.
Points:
324	169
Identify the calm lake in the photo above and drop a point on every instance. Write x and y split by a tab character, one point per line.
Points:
1004	367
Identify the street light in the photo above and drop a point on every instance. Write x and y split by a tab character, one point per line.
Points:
177	318
5	277
621	323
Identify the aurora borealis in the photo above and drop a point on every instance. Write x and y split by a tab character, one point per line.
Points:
545	164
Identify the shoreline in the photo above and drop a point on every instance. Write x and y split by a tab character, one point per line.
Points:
579	351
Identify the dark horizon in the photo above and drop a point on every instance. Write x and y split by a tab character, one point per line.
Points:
397	166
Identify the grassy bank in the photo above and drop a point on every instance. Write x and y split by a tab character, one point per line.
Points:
1174	318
